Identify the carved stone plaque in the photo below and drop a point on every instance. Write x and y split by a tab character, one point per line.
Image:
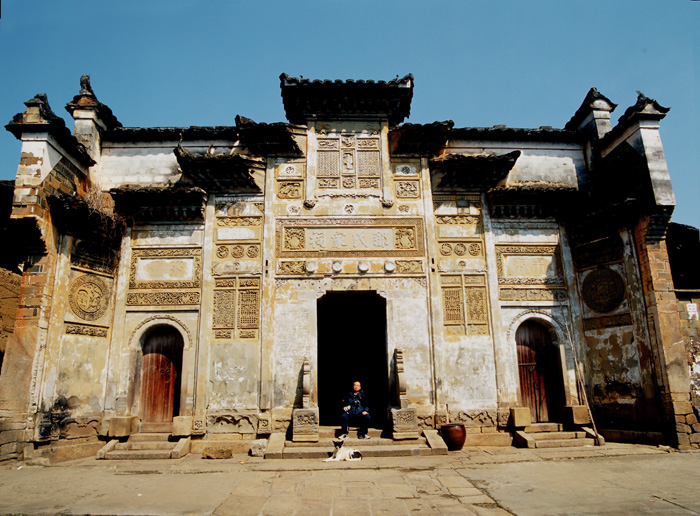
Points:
334	237
89	297
603	290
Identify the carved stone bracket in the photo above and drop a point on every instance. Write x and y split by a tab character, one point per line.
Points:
404	420
400	379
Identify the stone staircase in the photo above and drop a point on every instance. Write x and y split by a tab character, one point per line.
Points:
554	435
145	446
428	444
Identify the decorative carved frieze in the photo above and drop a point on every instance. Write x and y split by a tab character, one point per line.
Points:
222	334
231	222
465	304
86	329
470	220
465	249
608	321
165	262
453	312
162	298
89	297
532	294
162	317
237	306
87	255
224	315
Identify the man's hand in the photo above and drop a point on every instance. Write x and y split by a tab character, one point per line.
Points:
364	412
346	408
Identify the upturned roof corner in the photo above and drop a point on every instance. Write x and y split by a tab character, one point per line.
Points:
87	100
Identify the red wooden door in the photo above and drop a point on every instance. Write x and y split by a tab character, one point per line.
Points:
160	375
537	369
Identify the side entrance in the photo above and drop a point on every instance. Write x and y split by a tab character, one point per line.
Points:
160	379
539	366
352	346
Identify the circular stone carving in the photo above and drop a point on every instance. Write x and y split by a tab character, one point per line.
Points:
337	266
389	266
603	290
363	267
474	249
222	251
252	251
311	267
460	249
445	249
89	297
237	251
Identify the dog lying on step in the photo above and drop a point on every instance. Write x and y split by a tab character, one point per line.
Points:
342	453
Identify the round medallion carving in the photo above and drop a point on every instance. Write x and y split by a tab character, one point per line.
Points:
474	249
252	251
89	297
603	290
222	251
445	249
237	251
460	249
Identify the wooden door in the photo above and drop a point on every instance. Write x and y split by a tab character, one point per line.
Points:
160	377
539	374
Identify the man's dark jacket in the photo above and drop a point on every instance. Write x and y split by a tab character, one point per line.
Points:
357	402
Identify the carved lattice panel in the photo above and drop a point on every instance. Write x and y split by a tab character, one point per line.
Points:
353	159
224	309
453	304
248	309
328	164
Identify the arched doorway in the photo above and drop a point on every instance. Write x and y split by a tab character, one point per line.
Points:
539	367
352	346
161	370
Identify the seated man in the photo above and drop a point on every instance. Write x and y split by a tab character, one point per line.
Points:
355	411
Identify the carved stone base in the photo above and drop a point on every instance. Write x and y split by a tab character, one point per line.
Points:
305	425
404	423
520	417
122	426
182	426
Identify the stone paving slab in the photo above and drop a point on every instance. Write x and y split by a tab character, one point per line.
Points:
476	481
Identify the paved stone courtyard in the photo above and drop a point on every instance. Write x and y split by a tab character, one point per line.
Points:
615	479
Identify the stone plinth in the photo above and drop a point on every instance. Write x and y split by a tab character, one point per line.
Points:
182	426
519	417
578	415
122	426
305	425
404	423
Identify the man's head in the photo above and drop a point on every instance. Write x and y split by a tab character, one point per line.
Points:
356	386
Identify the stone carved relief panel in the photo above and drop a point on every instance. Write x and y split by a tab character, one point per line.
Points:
407	189
86	255
463	249
603	290
88	297
165	268
348	160
465	304
290	189
236	308
346	237
532	273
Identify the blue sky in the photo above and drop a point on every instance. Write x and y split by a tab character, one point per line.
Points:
479	63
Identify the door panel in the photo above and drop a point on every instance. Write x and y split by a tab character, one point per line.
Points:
160	375
538	370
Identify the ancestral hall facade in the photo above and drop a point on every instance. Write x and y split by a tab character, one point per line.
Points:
230	282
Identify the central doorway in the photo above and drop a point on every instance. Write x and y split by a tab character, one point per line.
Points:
352	346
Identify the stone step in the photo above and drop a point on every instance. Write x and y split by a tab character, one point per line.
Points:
544	436
320	452
354	442
145	445
138	454
543	427
149	436
564	443
333	432
489	439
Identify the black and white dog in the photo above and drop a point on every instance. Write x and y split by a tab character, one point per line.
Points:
342	453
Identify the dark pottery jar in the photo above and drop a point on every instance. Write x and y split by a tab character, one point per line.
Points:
454	435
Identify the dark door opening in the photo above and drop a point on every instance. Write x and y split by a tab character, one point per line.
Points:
160	378
539	366
352	346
